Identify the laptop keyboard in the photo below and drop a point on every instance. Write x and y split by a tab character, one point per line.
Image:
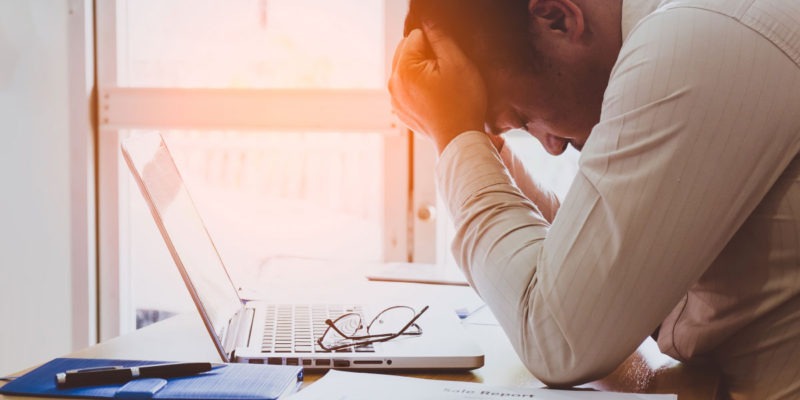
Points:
295	328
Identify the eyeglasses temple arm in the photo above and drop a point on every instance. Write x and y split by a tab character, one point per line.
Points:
413	320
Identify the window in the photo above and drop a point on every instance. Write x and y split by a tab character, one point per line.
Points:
278	118
288	44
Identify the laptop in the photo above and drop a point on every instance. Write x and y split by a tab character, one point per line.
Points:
279	334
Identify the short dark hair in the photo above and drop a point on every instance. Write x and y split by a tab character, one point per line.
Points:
492	33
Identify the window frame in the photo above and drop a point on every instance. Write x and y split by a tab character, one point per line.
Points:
409	214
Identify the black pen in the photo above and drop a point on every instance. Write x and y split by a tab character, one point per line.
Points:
117	374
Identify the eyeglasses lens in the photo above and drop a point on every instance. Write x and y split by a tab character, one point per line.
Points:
348	324
391	321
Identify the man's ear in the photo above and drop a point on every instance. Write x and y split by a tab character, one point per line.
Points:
562	17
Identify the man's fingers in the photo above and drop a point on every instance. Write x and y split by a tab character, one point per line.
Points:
415	48
405	117
397	52
442	46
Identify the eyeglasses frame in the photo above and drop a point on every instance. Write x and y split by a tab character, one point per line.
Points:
363	340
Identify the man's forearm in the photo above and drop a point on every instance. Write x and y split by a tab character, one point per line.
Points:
545	200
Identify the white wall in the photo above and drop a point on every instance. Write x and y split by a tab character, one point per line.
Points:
36	200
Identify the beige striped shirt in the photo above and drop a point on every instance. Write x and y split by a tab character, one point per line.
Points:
685	211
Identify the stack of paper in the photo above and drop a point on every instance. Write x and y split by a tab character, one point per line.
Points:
338	385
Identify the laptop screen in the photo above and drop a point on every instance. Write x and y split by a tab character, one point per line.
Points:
183	230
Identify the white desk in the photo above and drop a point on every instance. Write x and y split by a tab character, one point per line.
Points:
184	338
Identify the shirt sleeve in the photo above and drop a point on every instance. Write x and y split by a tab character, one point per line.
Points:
545	199
694	131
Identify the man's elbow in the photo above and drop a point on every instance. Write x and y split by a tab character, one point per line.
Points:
569	377
568	369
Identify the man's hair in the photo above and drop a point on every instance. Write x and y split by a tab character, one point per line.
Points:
492	33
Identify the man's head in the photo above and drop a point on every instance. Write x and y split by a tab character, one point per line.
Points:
481	28
545	63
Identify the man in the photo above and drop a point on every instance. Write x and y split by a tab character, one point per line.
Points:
684	217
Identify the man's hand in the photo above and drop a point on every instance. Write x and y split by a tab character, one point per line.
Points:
436	90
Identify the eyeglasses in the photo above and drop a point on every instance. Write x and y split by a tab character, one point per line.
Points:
388	324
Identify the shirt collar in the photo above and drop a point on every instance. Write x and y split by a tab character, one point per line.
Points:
634	11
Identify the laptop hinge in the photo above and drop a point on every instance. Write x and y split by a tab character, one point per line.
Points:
235	327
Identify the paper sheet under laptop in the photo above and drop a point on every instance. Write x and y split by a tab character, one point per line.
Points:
419	273
338	385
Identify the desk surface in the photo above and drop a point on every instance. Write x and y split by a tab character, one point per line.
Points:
184	338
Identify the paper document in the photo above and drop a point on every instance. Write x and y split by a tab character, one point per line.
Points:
338	385
419	273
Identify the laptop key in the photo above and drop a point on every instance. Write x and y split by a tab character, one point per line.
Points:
345	350
303	349
365	349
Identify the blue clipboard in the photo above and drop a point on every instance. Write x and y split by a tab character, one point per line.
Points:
230	381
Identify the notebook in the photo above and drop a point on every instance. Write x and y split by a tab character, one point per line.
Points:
230	381
258	332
